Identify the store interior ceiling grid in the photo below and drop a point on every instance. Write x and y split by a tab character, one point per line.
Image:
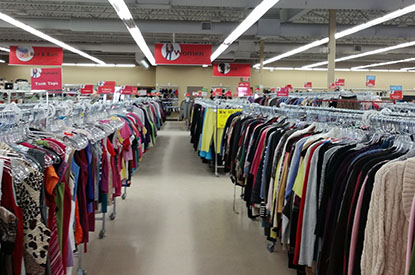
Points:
94	27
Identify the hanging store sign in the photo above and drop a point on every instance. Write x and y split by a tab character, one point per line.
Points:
370	80
142	92
24	55
244	89
49	79
340	82
308	85
232	70
126	90
87	89
182	54
332	86
106	87
228	93
283	92
135	90
217	92
396	92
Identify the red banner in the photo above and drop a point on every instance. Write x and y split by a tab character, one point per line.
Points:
135	90
308	85
126	90
48	56
244	89
182	54
272	90
232	70
340	82
217	92
49	79
106	87
332	86
370	80
283	92
228	93
87	89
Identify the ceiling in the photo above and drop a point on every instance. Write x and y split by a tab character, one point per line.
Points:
94	27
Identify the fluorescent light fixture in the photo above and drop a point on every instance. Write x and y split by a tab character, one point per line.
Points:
205	66
359	70
385	63
296	51
251	19
125	15
379	71
341	34
46	37
377	51
99	65
2	61
3	49
144	64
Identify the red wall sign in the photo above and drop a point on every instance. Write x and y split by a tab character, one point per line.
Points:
182	54
232	70
126	90
244	89
106	87
46	79
217	92
340	82
135	90
370	80
23	55
396	92
283	92
308	85
87	89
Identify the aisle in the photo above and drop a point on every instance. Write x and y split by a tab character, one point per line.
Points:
178	219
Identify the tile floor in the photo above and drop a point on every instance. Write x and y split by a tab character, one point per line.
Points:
178	219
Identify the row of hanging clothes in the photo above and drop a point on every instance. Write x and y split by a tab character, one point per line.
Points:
340	99
334	187
206	127
59	166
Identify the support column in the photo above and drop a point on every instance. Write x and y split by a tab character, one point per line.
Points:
261	54
332	48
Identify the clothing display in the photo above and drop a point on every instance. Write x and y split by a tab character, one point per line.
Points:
52	183
340	202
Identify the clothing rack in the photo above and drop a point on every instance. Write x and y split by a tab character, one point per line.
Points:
57	117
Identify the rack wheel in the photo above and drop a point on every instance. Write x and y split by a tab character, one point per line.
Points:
112	216
124	196
270	247
101	234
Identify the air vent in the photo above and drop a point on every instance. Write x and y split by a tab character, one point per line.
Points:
357	48
206	26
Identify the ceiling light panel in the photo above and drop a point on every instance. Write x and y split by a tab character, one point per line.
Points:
125	15
341	34
46	37
385	63
250	20
355	56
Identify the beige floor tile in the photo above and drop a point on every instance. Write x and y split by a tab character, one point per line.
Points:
178	219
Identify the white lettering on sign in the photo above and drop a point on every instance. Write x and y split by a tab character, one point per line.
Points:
53	83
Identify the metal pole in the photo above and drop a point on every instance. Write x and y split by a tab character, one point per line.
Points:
332	48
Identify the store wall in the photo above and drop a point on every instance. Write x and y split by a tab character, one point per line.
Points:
89	75
319	79
184	76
